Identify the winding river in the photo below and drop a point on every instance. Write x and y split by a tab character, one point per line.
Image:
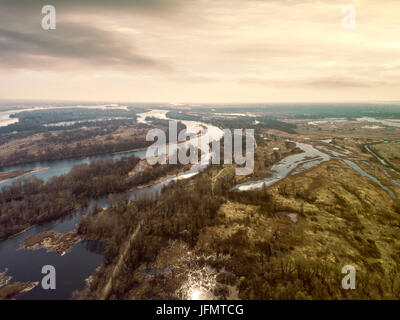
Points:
309	158
82	260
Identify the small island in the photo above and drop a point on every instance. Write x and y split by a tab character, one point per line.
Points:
51	241
5	176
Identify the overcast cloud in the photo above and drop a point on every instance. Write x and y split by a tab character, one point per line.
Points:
200	51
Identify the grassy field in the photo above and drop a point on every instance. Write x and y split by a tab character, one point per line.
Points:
290	241
390	152
344	221
252	249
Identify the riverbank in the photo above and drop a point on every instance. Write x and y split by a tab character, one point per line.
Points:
9	290
51	241
62	196
388	153
6	176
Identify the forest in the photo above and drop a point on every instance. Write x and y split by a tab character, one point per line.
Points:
73	141
35	121
72	114
264	122
179	213
68	152
32	201
247	228
389	110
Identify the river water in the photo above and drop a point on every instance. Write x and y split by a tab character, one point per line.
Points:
298	162
382	161
384	122
310	158
81	261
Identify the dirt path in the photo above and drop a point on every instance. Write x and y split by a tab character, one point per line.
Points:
117	267
214	179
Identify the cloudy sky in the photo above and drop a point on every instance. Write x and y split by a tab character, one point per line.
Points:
200	51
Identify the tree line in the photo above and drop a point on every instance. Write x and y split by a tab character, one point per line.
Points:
32	201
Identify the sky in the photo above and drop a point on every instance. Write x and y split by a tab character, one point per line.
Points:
201	51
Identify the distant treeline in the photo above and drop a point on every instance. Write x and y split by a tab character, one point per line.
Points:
48	151
49	154
165	123
183	116
73	114
314	110
35	121
239	122
250	123
80	130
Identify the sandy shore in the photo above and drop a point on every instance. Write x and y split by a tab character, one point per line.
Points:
5	176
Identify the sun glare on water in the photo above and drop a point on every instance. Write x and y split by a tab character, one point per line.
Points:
198	293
